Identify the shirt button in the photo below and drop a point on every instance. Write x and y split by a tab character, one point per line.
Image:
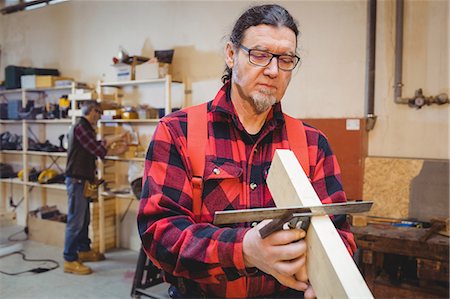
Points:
216	171
253	186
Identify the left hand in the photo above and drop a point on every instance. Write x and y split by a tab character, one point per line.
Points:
302	275
281	254
117	148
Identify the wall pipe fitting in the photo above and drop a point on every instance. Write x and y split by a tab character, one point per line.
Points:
371	118
419	100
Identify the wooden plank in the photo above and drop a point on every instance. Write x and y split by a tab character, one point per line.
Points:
328	259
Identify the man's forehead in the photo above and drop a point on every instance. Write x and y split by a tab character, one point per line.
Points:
268	35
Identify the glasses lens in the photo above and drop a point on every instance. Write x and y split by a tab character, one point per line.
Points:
287	62
260	58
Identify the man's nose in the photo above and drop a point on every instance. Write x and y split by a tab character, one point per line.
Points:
272	68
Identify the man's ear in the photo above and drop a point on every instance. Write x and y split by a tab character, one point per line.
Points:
229	54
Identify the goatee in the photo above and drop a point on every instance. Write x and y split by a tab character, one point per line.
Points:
263	99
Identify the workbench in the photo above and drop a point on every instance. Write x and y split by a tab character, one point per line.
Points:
396	264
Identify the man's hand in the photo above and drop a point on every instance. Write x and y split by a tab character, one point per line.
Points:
117	148
282	255
123	137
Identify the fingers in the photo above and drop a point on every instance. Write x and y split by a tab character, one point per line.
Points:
293	267
291	282
287	236
290	251
309	293
302	274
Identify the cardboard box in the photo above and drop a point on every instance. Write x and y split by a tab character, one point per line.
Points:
28	81
146	71
36	81
46	231
123	72
48	81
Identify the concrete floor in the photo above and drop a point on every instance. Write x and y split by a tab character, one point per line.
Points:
112	278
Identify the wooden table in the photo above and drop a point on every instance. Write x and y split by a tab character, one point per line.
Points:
396	264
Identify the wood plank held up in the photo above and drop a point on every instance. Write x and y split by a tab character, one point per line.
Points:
331	270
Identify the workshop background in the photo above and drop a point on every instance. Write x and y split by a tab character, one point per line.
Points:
384	108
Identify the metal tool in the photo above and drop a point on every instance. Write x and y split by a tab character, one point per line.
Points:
291	216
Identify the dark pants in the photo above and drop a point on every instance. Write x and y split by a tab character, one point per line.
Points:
78	219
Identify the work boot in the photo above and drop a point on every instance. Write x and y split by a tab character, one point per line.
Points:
76	267
90	256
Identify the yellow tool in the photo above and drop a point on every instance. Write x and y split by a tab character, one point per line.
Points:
46	175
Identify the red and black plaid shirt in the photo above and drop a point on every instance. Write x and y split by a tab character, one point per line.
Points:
200	252
89	141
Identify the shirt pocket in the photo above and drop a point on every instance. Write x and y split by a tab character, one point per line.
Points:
222	187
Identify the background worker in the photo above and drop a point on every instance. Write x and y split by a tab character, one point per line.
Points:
245	126
83	151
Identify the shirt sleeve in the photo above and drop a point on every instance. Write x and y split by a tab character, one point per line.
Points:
326	181
89	142
170	235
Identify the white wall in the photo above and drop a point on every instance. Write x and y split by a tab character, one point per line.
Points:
402	131
81	37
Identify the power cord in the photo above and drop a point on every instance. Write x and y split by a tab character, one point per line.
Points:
25	231
37	270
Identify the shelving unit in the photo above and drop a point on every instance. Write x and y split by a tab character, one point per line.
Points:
29	158
114	168
157	93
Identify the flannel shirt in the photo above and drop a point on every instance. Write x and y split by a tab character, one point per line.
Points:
211	257
89	141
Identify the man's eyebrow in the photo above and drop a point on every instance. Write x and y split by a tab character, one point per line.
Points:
262	48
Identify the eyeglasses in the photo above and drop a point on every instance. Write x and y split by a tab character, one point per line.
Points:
263	58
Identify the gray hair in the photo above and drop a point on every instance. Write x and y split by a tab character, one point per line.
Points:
87	106
268	14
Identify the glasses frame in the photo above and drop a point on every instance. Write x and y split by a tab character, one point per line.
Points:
270	60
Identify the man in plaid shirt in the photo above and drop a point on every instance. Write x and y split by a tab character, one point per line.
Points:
83	150
245	126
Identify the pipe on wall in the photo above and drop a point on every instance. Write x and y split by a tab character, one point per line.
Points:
419	100
370	66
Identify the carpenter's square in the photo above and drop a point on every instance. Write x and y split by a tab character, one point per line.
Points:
292	215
